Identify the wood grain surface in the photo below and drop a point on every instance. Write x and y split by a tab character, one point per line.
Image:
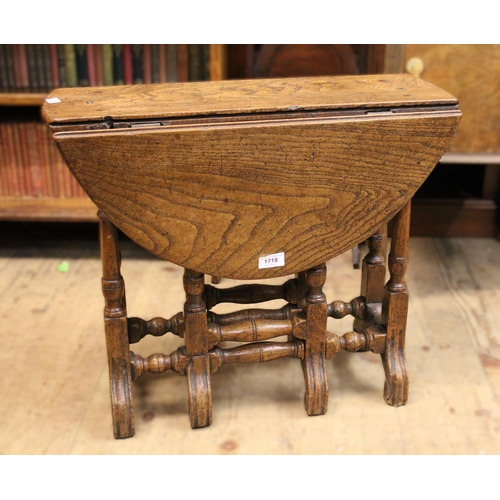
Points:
470	72
285	60
55	399
319	165
216	198
87	104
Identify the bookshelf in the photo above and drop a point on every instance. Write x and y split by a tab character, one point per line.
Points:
460	198
35	185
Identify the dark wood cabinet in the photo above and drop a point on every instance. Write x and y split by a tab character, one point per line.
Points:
460	197
289	60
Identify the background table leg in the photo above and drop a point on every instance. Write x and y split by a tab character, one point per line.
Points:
196	341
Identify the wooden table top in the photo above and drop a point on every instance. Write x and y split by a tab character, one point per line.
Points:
247	169
236	97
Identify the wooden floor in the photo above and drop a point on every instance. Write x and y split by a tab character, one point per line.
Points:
55	392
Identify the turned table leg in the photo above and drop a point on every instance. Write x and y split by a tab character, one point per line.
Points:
115	326
394	312
196	342
373	275
313	364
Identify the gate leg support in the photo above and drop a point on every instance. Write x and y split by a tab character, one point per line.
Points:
196	342
394	313
313	364
373	275
116	330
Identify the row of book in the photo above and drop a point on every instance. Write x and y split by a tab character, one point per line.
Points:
42	67
31	165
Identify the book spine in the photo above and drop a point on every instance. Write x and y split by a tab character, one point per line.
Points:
46	167
91	64
172	63
8	160
99	76
15	66
47	68
63	174
40	70
9	63
118	63
5	184
128	70
71	68
183	63
205	62
51	152
155	63
40	74
56	164
162	55
35	163
4	82
67	179
23	66
146	55
81	65
107	64
137	63
15	157
21	155
34	168
218	62
54	65
195	64
81	192
61	64
32	71
76	189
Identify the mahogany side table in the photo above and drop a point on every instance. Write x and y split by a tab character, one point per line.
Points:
251	180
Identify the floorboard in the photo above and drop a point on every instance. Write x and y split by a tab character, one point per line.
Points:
55	390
